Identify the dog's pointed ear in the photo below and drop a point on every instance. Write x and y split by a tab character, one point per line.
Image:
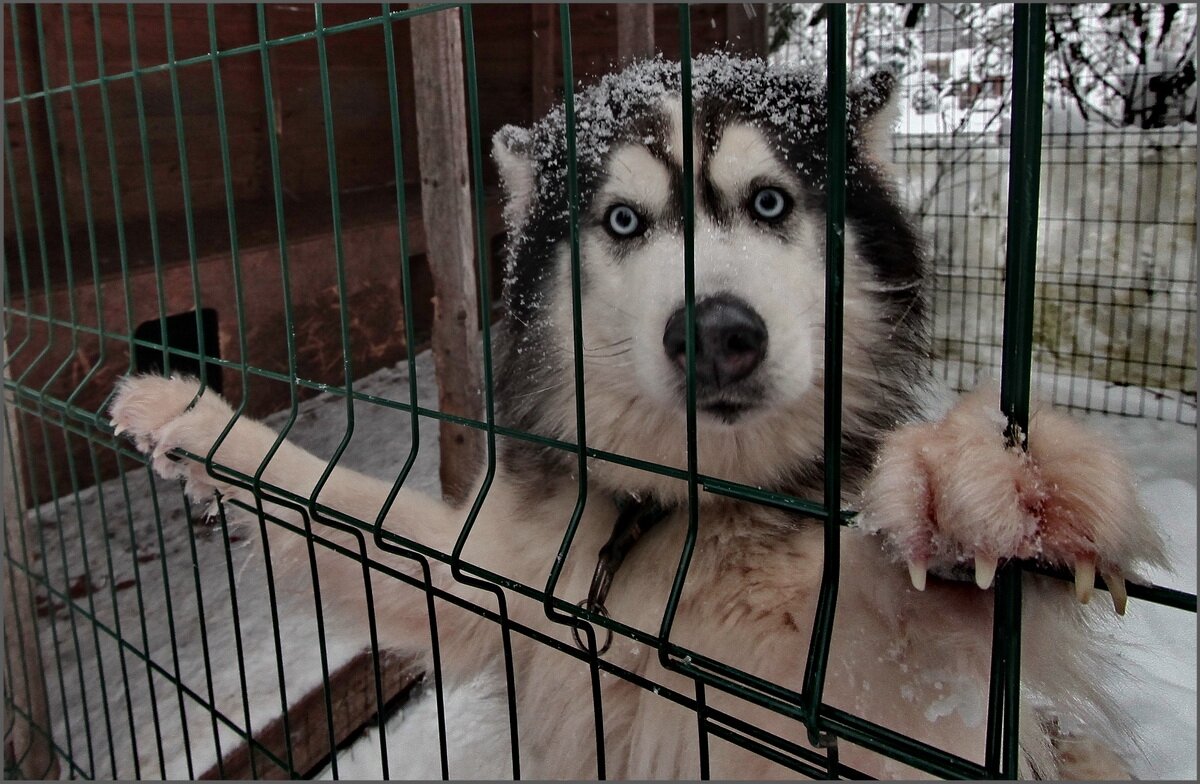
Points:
874	109
511	151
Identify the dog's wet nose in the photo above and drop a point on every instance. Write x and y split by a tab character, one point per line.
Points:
731	340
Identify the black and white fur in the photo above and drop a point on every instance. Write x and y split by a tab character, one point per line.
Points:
631	288
911	655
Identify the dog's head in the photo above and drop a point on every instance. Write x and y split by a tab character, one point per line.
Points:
759	193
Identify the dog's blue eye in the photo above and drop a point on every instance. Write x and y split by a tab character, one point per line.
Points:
622	221
770	204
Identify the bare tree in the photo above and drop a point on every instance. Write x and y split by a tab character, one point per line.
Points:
1121	64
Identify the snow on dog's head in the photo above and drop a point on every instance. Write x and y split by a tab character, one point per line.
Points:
759	189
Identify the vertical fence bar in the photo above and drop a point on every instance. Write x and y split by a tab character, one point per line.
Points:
118	204
67	257
294	401
73	320
185	184
347	371
238	643
414	419
205	654
88	214
702	730
38	217
60	192
39	526
24	546
147	169
19	235
1021	257
564	16
172	633
360	540
835	219
110	574
689	305
489	403
141	616
32	742
86	560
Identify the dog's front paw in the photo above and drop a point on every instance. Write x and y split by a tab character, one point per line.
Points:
949	493
161	414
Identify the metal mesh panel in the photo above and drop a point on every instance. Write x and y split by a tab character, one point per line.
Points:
98	615
1115	321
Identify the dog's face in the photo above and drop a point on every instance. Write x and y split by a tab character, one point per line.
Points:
758	262
759	266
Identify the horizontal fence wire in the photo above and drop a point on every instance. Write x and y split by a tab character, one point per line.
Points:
76	580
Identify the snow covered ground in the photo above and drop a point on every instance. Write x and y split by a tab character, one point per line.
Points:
1116	269
141	555
1158	643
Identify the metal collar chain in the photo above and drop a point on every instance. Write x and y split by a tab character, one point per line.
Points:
634	518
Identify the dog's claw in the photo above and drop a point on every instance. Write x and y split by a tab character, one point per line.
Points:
118	430
916	573
985	570
1085	579
1116	589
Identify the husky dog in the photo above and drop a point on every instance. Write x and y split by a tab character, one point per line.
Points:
946	499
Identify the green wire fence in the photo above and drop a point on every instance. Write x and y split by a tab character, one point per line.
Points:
66	627
1115	319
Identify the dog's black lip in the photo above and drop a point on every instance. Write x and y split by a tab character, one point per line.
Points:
724	407
727	411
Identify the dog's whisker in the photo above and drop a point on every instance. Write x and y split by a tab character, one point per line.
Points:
609	355
610	345
550	388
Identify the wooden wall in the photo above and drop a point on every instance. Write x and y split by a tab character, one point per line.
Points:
519	78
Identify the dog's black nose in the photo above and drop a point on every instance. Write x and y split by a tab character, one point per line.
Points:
731	340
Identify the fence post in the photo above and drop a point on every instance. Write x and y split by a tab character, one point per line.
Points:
1024	177
635	32
446	210
746	28
26	738
546	60
836	74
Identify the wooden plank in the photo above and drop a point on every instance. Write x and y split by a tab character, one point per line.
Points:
355	704
25	30
635	32
358	102
371	239
545	59
242	102
504	45
446	208
746	28
26	744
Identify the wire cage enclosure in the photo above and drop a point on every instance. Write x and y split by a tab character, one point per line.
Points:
232	192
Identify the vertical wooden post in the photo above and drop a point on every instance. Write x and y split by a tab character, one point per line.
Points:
446	209
546	65
635	32
25	745
746	28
